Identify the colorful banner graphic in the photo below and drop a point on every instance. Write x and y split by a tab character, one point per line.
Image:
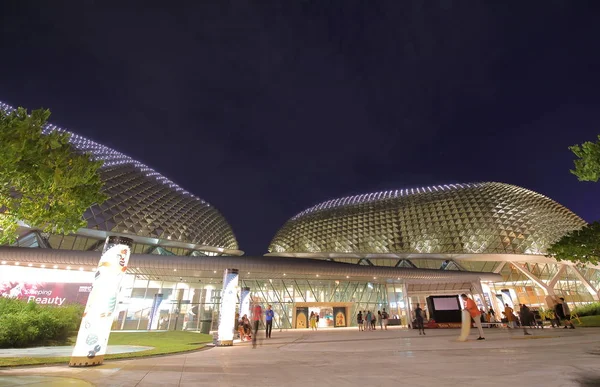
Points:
94	331
47	293
301	317
153	315
245	302
227	309
339	316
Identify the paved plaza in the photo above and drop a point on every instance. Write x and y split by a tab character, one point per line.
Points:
346	357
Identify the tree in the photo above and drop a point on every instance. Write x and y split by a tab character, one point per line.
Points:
44	181
580	246
587	167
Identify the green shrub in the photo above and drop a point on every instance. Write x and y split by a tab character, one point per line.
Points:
592	309
24	324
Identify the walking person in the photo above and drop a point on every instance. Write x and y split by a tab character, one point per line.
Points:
510	316
471	307
313	321
526	316
359	321
269	314
419	320
380	317
566	314
256	318
316	321
385	316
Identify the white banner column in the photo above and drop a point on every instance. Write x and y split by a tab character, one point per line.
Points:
227	309
97	320
245	302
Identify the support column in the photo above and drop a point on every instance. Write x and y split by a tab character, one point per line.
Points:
561	269
590	288
533	278
477	288
407	305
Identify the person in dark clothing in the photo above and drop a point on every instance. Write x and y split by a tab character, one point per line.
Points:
526	318
419	319
559	313
566	313
269	314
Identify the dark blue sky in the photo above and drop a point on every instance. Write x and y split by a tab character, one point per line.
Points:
264	110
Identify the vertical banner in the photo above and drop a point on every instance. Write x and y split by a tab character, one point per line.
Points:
339	316
245	302
153	316
227	309
301	317
94	331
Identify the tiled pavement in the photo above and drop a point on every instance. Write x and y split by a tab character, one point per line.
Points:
346	357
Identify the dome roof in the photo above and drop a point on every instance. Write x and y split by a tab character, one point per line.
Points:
144	203
450	219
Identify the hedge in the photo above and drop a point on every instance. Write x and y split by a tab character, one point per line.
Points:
27	324
592	309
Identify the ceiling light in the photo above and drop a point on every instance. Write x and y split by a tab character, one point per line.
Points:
16	263
56	267
4	262
29	264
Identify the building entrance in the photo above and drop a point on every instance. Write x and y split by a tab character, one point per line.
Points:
326	314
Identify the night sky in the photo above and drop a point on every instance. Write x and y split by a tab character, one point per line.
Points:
266	109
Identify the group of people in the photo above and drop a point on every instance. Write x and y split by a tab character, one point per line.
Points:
525	318
367	321
250	332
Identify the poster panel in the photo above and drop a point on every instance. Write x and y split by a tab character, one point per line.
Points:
339	317
301	317
245	302
94	331
227	309
46	293
153	320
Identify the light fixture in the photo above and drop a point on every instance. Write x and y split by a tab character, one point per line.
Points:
317	275
42	266
81	269
55	267
174	269
4	262
215	271
374	277
17	263
347	276
29	264
68	267
283	273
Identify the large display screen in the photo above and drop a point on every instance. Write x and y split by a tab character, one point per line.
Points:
446	303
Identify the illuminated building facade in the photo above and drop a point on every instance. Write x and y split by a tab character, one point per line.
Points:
486	227
367	252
